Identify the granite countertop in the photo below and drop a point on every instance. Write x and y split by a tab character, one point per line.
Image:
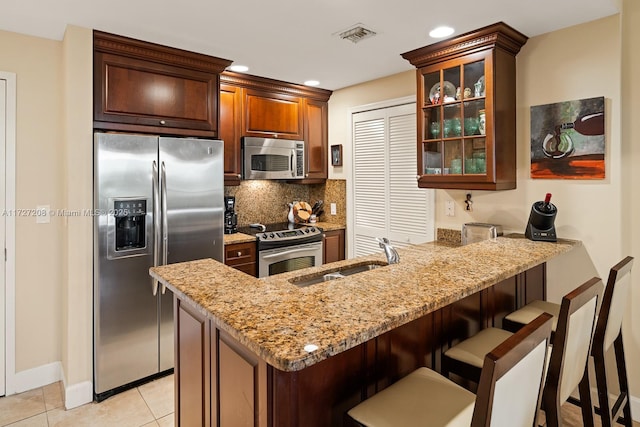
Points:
230	239
277	320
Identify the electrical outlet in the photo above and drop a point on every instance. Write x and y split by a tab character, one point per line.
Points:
334	211
449	208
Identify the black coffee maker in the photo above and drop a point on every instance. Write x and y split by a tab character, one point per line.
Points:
541	221
230	216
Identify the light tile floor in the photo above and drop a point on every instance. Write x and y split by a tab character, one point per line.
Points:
150	405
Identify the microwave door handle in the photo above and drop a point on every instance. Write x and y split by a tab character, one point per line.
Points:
289	252
165	225
156	225
293	165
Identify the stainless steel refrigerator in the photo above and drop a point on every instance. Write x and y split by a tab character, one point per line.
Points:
157	200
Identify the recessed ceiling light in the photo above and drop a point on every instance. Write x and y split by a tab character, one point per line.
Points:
239	68
439	32
311	83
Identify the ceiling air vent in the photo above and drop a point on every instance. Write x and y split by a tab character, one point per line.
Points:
356	33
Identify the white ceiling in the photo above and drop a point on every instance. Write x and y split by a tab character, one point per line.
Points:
295	40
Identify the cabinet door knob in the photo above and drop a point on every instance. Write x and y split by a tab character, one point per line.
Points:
418	177
162	122
306	175
239	254
239	176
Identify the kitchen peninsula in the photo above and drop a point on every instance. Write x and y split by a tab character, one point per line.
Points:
265	352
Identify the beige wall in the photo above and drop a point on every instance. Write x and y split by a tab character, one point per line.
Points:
578	62
631	180
53	307
39	181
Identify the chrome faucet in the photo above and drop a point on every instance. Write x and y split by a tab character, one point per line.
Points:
389	251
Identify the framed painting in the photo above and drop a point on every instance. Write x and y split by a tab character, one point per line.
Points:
336	155
568	140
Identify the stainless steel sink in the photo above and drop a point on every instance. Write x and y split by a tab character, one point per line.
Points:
334	275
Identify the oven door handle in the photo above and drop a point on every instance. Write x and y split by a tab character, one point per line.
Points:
289	252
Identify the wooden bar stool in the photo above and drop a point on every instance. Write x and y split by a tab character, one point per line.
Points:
608	332
575	324
508	393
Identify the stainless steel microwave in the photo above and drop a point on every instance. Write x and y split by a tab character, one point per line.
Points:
270	158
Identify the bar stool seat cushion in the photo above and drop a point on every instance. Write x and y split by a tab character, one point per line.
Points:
473	350
534	309
422	398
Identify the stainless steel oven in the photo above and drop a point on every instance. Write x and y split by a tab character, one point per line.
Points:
286	247
289	258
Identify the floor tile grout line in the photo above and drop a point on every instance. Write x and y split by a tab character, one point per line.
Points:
147	405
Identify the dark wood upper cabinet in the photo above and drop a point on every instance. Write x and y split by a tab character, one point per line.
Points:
145	87
229	130
272	115
315	137
466	110
262	107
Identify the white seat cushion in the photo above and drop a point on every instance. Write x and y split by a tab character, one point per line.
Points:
534	309
473	350
422	398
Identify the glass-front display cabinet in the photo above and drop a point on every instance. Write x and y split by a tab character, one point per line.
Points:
466	110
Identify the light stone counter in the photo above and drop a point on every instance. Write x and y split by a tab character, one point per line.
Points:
276	320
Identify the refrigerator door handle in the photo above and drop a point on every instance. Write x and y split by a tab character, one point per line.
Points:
156	226
165	225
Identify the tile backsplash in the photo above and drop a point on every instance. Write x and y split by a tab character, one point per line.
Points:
268	201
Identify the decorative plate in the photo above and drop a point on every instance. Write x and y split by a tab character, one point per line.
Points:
449	93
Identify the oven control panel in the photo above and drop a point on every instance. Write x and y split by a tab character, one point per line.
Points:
284	238
288	235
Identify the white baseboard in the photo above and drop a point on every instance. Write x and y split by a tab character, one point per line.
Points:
635	408
37	377
78	394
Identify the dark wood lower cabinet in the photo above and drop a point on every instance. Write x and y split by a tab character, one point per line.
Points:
221	383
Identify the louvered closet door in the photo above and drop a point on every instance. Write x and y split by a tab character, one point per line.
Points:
387	200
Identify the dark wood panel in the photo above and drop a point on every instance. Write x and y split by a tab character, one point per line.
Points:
320	395
272	115
229	130
242	385
333	246
316	138
411	345
237	377
141	86
149	94
240	253
502	300
192	362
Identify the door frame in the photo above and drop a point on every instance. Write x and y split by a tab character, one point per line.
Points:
10	236
350	241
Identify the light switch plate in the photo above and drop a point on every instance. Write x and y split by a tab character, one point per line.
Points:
333	209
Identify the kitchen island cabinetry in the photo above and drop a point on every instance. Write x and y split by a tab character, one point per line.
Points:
333	246
145	87
284	356
260	107
466	110
242	256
